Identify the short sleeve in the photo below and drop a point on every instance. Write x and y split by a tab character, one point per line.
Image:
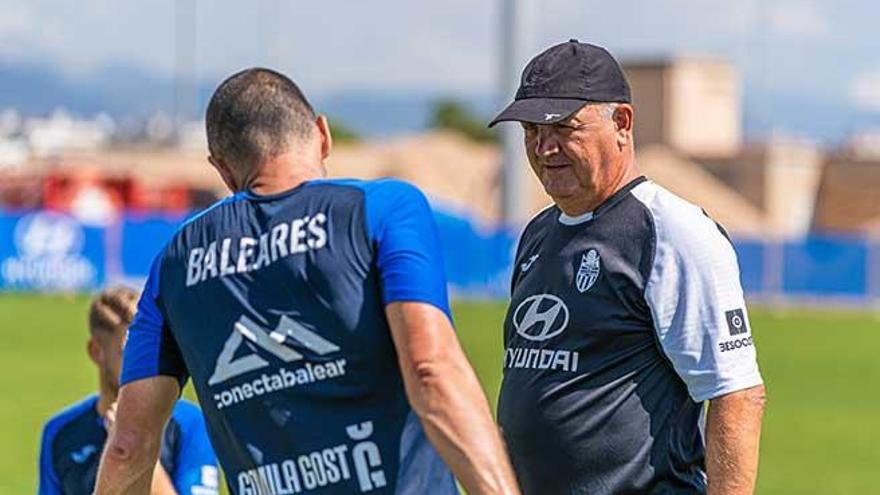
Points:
150	349
49	483
697	303
195	471
408	255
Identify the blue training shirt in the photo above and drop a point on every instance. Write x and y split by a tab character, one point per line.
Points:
274	306
73	440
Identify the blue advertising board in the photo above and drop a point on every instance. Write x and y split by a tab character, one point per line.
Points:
52	252
48	251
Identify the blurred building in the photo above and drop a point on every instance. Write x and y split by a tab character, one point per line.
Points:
14	152
464	176
694	106
61	132
848	199
864	144
97	186
780	177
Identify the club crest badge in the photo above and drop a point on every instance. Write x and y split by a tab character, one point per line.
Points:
588	271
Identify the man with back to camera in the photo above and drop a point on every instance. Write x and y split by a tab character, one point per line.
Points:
312	317
73	439
626	310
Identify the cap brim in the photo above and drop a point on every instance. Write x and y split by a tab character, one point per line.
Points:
539	110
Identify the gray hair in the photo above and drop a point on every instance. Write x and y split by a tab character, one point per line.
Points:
606	110
255	115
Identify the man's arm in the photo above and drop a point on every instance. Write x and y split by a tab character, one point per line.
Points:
132	449
733	436
444	392
161	484
701	320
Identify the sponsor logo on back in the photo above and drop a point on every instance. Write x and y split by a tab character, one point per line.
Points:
355	463
287	342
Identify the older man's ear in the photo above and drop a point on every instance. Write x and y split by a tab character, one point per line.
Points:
623	121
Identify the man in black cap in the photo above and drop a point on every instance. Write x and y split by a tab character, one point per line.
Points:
626	310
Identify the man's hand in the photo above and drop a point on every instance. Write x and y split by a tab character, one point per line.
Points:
444	392
132	450
733	438
162	484
110	417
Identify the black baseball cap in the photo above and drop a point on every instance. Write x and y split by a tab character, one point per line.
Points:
564	78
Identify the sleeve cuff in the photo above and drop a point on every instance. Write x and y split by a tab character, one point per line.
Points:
727	387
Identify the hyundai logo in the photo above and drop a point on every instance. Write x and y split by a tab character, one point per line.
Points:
48	235
540	317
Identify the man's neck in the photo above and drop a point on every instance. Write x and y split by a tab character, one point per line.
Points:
578	205
284	173
265	186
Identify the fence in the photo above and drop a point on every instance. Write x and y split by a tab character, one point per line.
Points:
46	251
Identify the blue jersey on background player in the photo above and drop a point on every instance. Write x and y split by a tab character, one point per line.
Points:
274	307
74	438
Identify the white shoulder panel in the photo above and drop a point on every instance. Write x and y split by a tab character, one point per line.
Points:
696	299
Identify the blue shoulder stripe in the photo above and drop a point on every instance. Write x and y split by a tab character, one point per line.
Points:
380	196
229	199
68	414
48	477
185	412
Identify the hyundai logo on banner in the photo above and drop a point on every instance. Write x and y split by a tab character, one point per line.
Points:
48	253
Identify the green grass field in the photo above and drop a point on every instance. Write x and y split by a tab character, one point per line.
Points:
821	432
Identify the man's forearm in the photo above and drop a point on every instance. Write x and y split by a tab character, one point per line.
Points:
733	440
125	468
458	421
445	393
129	458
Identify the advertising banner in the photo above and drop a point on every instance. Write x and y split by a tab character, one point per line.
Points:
48	251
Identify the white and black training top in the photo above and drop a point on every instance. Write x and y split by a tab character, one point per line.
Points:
622	321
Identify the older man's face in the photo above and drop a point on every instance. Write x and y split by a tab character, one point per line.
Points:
576	156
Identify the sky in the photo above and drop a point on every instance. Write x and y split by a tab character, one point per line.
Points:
822	49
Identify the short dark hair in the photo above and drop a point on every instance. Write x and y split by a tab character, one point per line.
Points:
253	115
112	310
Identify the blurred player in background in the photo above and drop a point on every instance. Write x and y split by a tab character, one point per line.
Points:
74	438
626	310
312	317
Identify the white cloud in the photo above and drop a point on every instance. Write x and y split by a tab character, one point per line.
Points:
865	90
